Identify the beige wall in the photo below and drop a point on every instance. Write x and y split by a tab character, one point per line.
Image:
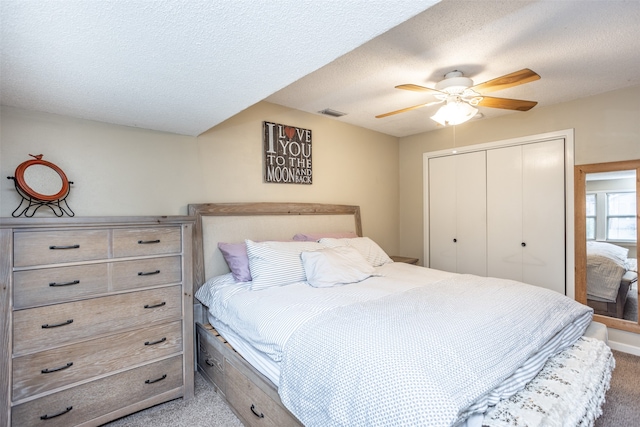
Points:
351	165
607	128
120	170
116	170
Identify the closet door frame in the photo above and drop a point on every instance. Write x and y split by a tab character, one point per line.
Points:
568	136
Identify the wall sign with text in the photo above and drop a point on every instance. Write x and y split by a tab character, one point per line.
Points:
287	154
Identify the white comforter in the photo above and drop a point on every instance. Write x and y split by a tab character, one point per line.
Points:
267	318
414	347
431	356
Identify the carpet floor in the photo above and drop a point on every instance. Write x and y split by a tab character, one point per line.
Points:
622	406
206	409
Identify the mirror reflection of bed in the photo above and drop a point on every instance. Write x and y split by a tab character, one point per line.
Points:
611	244
612	277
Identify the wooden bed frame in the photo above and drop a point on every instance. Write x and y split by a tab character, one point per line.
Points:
615	309
251	396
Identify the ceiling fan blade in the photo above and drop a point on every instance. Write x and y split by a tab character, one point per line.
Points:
404	110
417	88
509	80
507	104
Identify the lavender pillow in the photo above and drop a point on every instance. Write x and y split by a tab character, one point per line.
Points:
235	254
314	237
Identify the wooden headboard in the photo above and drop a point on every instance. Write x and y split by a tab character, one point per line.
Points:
235	222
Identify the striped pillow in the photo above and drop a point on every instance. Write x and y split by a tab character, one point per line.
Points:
277	263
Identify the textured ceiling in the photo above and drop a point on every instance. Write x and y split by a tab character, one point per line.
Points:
183	66
178	66
579	48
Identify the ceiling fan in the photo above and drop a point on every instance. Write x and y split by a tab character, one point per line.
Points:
460	96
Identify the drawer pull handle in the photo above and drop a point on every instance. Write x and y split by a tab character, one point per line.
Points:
64	247
48	326
48	371
75	282
213	363
146	242
155	342
148	273
48	417
155	306
156	380
253	409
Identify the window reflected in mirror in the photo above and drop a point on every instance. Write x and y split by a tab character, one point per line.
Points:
611	206
621	216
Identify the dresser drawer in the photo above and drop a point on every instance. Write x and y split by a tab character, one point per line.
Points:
146	272
39	328
52	247
146	241
251	404
52	285
87	401
50	369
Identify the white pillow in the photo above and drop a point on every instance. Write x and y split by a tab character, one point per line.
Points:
367	248
616	253
276	263
335	266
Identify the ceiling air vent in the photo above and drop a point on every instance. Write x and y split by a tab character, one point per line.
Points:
332	113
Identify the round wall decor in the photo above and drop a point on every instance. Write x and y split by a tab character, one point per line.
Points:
41	183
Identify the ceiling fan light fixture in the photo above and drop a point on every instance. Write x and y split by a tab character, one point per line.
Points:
461	96
454	112
454	83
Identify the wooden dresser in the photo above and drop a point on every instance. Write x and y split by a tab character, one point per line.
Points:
97	317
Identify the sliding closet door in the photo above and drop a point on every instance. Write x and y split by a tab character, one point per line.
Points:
504	207
544	215
526	217
442	217
457	213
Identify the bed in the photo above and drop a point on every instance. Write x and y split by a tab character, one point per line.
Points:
610	275
361	340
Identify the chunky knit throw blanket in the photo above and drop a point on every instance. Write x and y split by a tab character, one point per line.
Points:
569	391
